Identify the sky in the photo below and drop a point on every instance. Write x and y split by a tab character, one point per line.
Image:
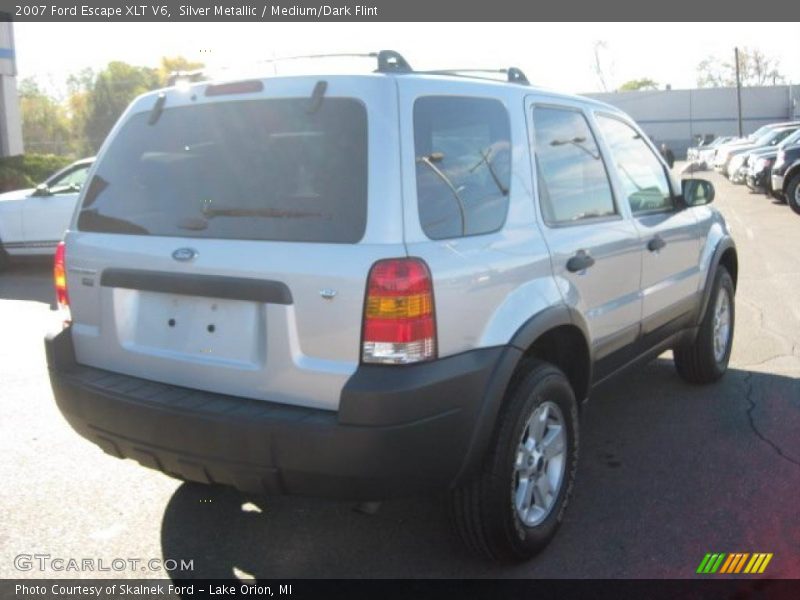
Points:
553	55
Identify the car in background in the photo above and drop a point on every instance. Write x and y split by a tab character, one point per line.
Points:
786	176
707	154
774	136
33	221
759	165
706	151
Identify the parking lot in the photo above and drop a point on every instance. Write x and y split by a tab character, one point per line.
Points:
668	472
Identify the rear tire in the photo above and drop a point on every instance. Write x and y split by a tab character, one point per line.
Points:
793	193
706	359
512	508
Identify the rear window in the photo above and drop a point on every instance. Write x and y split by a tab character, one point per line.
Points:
260	170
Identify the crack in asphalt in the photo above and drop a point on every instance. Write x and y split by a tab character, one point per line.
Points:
752	406
762	321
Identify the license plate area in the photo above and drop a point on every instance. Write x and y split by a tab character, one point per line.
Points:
192	328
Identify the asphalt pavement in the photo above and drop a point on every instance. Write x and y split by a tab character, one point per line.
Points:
668	471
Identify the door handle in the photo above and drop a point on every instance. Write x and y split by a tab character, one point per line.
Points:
656	244
580	262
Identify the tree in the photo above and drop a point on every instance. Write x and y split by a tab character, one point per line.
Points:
45	125
638	84
112	91
755	68
175	64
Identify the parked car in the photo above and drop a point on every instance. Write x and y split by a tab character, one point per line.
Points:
368	286
33	221
707	154
760	161
695	152
773	137
786	176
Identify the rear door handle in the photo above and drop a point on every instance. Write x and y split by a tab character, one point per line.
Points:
580	262
656	244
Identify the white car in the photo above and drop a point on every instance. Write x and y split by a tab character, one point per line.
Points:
33	221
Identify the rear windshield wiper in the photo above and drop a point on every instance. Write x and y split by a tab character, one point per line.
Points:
268	213
485	155
158	108
428	160
89	219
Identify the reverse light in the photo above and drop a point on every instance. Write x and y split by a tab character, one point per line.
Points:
60	278
399	315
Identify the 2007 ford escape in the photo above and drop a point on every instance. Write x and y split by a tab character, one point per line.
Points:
366	286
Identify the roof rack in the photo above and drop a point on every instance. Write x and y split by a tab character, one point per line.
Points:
513	74
389	61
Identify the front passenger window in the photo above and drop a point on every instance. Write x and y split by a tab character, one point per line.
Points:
640	172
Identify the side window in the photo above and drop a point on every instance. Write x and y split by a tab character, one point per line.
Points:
72	180
573	182
463	157
641	173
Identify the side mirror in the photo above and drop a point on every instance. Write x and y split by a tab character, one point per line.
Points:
42	190
697	192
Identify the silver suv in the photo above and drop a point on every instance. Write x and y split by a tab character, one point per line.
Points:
368	286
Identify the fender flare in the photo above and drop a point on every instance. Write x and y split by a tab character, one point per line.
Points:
791	170
723	245
501	378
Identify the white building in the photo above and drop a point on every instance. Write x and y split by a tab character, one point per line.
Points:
10	119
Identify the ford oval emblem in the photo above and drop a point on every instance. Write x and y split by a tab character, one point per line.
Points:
184	254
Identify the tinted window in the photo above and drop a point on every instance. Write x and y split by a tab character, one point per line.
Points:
463	156
641	173
259	169
573	183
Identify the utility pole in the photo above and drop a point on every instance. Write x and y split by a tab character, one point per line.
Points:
738	91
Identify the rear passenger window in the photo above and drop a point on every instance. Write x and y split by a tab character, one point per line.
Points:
463	158
640	172
573	182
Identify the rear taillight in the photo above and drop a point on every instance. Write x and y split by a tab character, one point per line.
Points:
60	277
399	315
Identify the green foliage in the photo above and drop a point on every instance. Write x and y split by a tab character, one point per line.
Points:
28	170
638	84
96	99
45	125
755	68
112	91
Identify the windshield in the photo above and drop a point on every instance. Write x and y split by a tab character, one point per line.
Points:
790	140
259	169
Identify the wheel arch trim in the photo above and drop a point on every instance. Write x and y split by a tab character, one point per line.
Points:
724	245
495	394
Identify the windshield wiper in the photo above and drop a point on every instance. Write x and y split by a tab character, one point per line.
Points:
577	142
89	219
485	159
158	108
437	157
267	213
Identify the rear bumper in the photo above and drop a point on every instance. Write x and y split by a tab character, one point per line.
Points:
399	430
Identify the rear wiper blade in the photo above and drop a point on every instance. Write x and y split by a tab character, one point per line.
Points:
269	213
428	160
158	108
485	155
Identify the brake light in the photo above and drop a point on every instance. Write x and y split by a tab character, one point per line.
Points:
235	87
399	314
60	276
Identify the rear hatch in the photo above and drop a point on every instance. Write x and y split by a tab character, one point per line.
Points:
223	240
